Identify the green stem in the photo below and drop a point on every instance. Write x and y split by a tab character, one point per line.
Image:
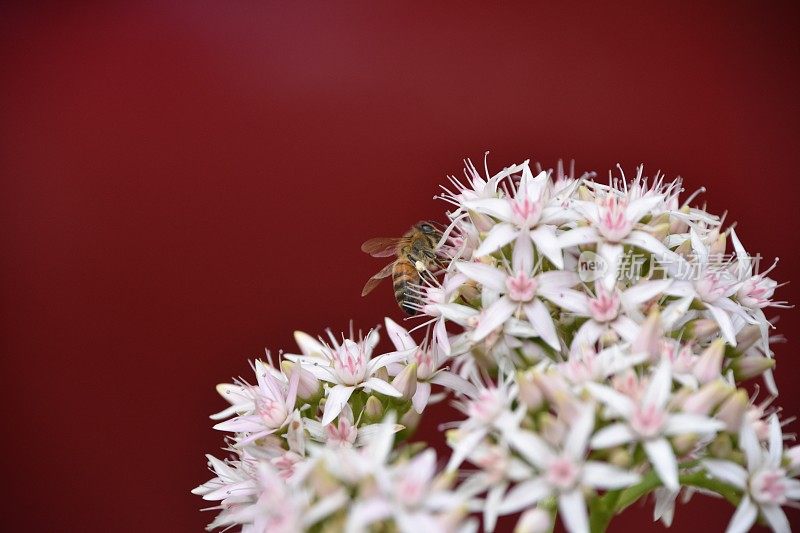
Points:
602	510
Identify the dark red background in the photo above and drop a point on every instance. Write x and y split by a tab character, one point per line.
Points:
186	183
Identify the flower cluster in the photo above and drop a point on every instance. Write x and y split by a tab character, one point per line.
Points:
599	340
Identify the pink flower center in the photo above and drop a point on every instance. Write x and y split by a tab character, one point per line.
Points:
350	363
521	287
526	213
426	364
342	435
756	292
410	491
647	421
562	473
769	486
272	412
285	464
710	286
487	406
614	225
605	306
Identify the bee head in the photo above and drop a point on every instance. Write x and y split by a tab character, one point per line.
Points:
428	228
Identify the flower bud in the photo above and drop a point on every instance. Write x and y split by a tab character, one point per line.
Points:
373	409
585	194
660	231
709	366
718	246
747	337
620	457
529	393
308	345
721	446
534	521
482	222
552	429
684	443
679	225
702	328
406	381
410	420
649	339
751	366
685	248
793	455
308	385
707	397
732	410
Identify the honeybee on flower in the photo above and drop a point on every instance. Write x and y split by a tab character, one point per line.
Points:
577	392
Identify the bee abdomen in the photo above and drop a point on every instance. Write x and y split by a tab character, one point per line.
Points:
404	276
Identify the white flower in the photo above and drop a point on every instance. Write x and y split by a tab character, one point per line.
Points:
487	409
527	213
428	361
711	283
345	432
407	495
521	289
268	409
649	422
349	366
613	219
609	309
562	473
765	483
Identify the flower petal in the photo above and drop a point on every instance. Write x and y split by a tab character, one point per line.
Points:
376	363
682	423
382	387
572	509
660	387
615	400
498	236
524	495
606	476
463	447
530	446
578	436
661	456
744	517
540	318
725	325
727	471
522	255
570	300
399	335
776	518
577	236
612	435
496	207
420	399
455	383
484	274
643	291
748	442
493	317
775	441
334	403
587	335
641	206
548	244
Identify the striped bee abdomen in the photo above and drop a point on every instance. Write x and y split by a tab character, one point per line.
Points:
404	277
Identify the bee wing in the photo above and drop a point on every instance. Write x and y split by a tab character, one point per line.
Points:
374	280
381	246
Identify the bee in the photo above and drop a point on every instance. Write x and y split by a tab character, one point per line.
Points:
415	252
